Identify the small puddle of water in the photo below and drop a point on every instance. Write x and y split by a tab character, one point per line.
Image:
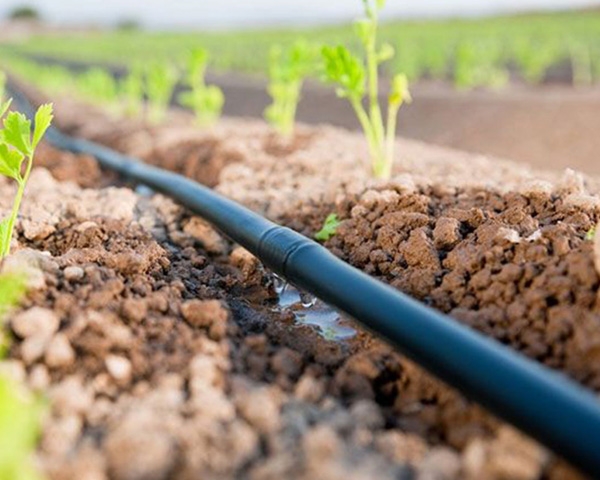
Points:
308	310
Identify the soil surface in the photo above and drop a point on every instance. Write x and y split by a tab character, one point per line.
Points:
165	356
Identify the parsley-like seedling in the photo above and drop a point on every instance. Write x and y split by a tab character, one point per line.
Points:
131	92
329	228
356	78
19	409
160	83
205	100
17	148
287	70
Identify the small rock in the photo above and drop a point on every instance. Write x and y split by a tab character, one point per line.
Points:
35	321
210	314
440	463
446	233
33	348
309	389
73	274
119	368
134	310
260	408
59	352
39	378
206	235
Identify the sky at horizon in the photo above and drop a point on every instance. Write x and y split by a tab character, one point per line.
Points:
239	13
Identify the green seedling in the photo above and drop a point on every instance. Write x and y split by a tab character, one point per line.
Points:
131	92
479	65
20	413
287	71
160	81
205	100
329	228
17	149
590	234
98	86
356	78
19	410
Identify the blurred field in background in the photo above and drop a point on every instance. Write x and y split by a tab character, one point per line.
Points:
533	48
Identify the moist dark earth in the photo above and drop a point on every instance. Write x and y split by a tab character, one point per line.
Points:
163	353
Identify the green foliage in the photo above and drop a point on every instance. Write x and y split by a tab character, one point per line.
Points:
533	58
287	71
590	234
477	65
19	430
97	85
329	228
424	48
131	92
19	410
205	100
160	81
355	77
12	289
17	148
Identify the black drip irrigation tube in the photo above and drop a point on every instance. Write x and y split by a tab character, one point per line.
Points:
546	405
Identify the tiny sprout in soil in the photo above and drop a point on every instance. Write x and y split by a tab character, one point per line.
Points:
160	83
17	147
329	228
590	234
205	100
356	77
287	70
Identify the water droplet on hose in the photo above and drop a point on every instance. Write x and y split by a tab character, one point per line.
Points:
279	284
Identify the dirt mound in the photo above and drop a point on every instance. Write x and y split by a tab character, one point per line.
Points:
164	354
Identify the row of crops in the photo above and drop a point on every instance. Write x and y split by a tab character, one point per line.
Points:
470	53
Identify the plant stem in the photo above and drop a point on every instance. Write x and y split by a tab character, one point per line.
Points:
16	206
374	145
392	118
375	110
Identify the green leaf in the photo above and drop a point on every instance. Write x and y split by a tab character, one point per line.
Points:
386	53
43	119
329	228
17	132
399	92
345	69
10	162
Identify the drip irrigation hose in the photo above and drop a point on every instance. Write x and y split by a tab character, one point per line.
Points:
556	411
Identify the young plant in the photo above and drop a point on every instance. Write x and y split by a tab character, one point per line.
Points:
287	70
98	86
19	410
160	83
131	92
17	149
205	100
356	78
329	228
